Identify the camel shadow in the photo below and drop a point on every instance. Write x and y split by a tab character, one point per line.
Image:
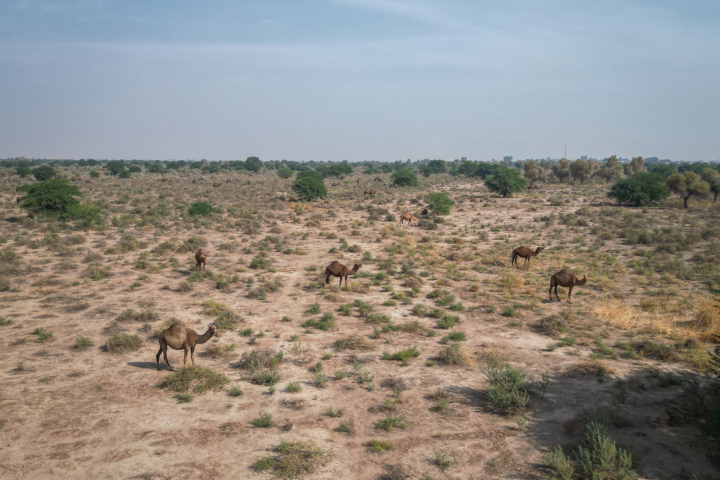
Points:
146	365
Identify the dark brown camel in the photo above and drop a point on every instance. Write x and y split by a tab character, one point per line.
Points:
424	211
194	181
18	199
163	179
337	269
215	185
525	253
378	179
565	279
200	259
370	192
181	338
228	181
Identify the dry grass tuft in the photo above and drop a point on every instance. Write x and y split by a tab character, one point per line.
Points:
588	368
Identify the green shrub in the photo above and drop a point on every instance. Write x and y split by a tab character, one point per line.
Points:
325	323
196	379
506	181
55	196
392	421
201	208
380	445
404	178
560	465
285	173
439	203
402	355
310	186
294	459
602	459
43	172
265	420
640	190
506	388
82	343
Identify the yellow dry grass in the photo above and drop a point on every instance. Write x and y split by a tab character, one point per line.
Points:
702	321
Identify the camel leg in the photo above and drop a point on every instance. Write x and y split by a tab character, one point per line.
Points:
192	355
327	279
570	294
203	266
340	286
157	358
550	292
556	295
167	362
187	350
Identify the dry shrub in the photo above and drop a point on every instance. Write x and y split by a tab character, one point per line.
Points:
589	367
453	354
662	317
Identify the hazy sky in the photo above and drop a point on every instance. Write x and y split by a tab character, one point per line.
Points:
359	79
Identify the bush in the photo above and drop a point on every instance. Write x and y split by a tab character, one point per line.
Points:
294	459
404	178
115	167
53	196
253	164
196	379
201	208
602	459
22	171
439	203
639	190
310	186
506	391
94	174
285	173
506	181
122	342
43	172
559	464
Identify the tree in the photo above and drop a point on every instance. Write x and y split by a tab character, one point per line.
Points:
561	169
212	168
580	170
534	172
43	172
639	190
22	171
54	196
426	170
437	166
94	174
154	167
285	173
611	169
404	178
115	167
712	177
687	185
134	169
253	164
663	169
310	185
637	165
506	181
439	203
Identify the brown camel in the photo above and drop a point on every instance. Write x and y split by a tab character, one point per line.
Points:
337	269
200	259
408	217
92	191
525	253
194	181
163	179
335	184
181	338
378	179
87	181
370	192
424	211
228	181
565	279
18	199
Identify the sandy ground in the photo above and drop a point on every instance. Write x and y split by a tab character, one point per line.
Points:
90	414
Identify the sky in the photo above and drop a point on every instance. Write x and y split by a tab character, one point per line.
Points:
359	79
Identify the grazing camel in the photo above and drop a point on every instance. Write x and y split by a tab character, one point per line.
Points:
92	191
378	179
424	211
337	269
163	179
565	279
87	181
200	259
370	192
18	199
194	181
525	253
228	181
181	338
335	184
408	217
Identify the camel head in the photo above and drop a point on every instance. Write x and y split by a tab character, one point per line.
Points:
356	267
582	282
538	250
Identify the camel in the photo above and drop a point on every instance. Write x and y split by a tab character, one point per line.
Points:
200	259
525	253
92	191
18	199
87	181
181	338
215	185
408	217
370	192
163	179
335	184
378	179
566	279
337	269
424	211
228	181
